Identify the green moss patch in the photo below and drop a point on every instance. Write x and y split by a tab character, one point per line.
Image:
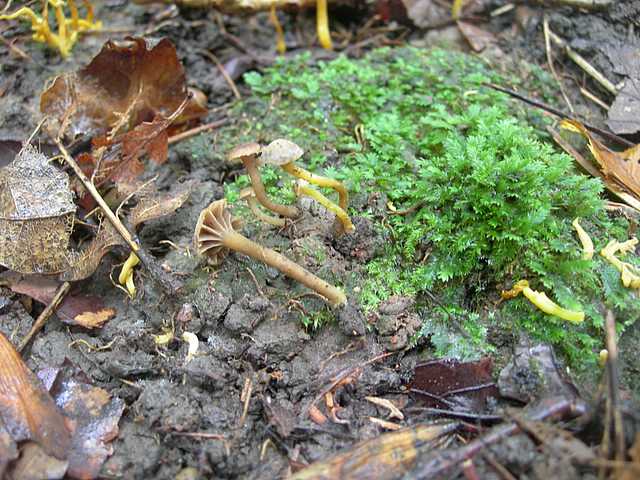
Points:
490	200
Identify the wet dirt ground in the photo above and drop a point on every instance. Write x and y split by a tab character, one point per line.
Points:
239	409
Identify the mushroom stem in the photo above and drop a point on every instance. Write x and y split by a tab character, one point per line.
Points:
258	187
235	241
304	189
281	46
299	172
322	25
456	8
260	215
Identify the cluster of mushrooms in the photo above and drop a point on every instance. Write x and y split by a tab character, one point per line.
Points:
216	230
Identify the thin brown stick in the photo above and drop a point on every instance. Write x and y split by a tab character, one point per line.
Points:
548	108
613	387
205	435
197	130
223	72
115	221
547	47
18	51
594	98
44	316
584	64
437	464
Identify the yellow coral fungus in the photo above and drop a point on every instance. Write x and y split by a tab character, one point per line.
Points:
68	28
544	303
585	239
629	274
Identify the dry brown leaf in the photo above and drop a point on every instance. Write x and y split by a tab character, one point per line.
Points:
26	409
127	83
621	168
36	214
386	456
590	168
152	206
84	310
84	263
94	319
477	38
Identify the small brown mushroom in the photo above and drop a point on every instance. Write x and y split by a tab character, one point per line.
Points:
215	234
247	153
248	195
284	153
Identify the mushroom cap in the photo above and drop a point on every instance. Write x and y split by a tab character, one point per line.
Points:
212	224
280	152
237	154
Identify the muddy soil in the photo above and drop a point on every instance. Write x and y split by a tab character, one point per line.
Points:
239	409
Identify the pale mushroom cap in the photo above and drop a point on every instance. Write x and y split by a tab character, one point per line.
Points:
280	152
245	150
212	224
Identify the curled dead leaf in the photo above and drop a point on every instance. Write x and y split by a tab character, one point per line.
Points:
620	168
154	205
26	409
127	83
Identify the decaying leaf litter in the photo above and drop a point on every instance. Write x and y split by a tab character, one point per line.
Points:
234	390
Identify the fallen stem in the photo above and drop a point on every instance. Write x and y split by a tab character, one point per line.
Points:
46	313
195	131
146	259
548	108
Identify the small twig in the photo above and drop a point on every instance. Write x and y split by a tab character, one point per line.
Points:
168	284
46	313
255	282
437	464
500	469
548	108
245	398
547	47
615	417
583	4
16	50
204	435
340	377
115	221
223	72
475	417
594	99
197	130
582	63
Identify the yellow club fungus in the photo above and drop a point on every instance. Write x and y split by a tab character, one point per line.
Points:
629	274
587	244
544	303
126	274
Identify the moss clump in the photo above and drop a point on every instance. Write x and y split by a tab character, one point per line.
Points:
494	201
